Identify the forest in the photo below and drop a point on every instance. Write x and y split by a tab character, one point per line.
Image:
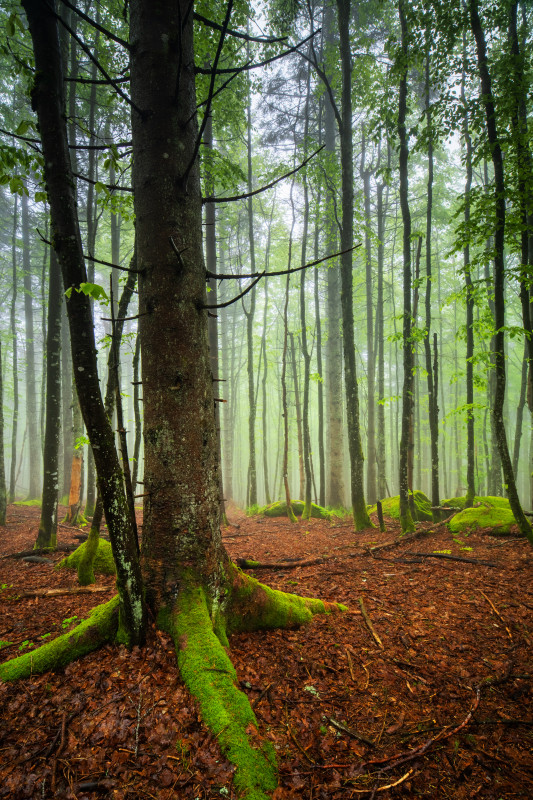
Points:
267	272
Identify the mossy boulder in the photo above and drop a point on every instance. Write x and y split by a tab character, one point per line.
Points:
488	512
489	500
279	509
103	560
391	507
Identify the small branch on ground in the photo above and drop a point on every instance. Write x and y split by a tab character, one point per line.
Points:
245	563
369	624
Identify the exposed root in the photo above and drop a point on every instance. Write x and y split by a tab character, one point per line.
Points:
99	628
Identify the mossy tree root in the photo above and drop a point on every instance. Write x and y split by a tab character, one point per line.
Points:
86	562
200	637
100	627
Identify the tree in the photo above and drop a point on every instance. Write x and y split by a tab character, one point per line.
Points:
187	579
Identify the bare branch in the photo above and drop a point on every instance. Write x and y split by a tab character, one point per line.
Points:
113	187
96	260
230	302
237	34
97	26
207	112
227	276
262	188
229	70
93	58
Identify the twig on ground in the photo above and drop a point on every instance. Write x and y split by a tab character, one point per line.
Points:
354	734
369	624
449	557
491	604
245	563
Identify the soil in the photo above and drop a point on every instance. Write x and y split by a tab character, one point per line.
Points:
436	705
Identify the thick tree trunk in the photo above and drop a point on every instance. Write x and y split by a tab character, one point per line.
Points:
360	513
3	488
499	271
407	394
47	535
380	453
48	102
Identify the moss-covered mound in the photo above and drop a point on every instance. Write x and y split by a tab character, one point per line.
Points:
391	507
103	560
493	502
279	509
488	512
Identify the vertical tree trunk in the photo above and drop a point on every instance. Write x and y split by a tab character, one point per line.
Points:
335	491
407	394
371	485
498	271
470	480
47	534
32	417
284	405
252	409
433	408
48	102
381	456
320	372
360	513
14	345
3	488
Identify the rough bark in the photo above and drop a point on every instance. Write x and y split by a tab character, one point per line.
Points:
360	513
47	534
498	270
14	345
32	419
48	102
406	518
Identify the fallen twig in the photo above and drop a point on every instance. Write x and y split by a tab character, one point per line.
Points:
245	563
491	604
354	734
449	557
383	788
369	624
61	592
62	548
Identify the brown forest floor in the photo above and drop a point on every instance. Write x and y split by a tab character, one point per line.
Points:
347	718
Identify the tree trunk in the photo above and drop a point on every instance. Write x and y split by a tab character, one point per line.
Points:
360	513
433	408
47	535
32	418
335	492
14	345
48	102
407	394
371	485
381	453
498	271
3	489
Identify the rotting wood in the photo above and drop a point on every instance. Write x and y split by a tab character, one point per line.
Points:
369	624
245	563
63	592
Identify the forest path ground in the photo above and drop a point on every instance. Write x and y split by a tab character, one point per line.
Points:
347	717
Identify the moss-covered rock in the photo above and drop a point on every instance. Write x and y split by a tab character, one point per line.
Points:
279	509
391	507
489	500
103	563
489	512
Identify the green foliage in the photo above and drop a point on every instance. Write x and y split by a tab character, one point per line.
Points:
93	290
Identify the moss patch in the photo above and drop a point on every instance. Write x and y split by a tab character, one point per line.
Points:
35	503
103	559
210	676
279	509
391	507
498	517
98	628
493	502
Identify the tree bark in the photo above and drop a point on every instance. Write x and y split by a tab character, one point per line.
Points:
360	513
47	534
406	518
14	344
48	102
32	419
498	270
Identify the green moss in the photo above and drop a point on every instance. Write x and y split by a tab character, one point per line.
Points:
499	517
103	560
279	509
489	500
87	558
210	676
253	606
33	503
100	627
391	507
